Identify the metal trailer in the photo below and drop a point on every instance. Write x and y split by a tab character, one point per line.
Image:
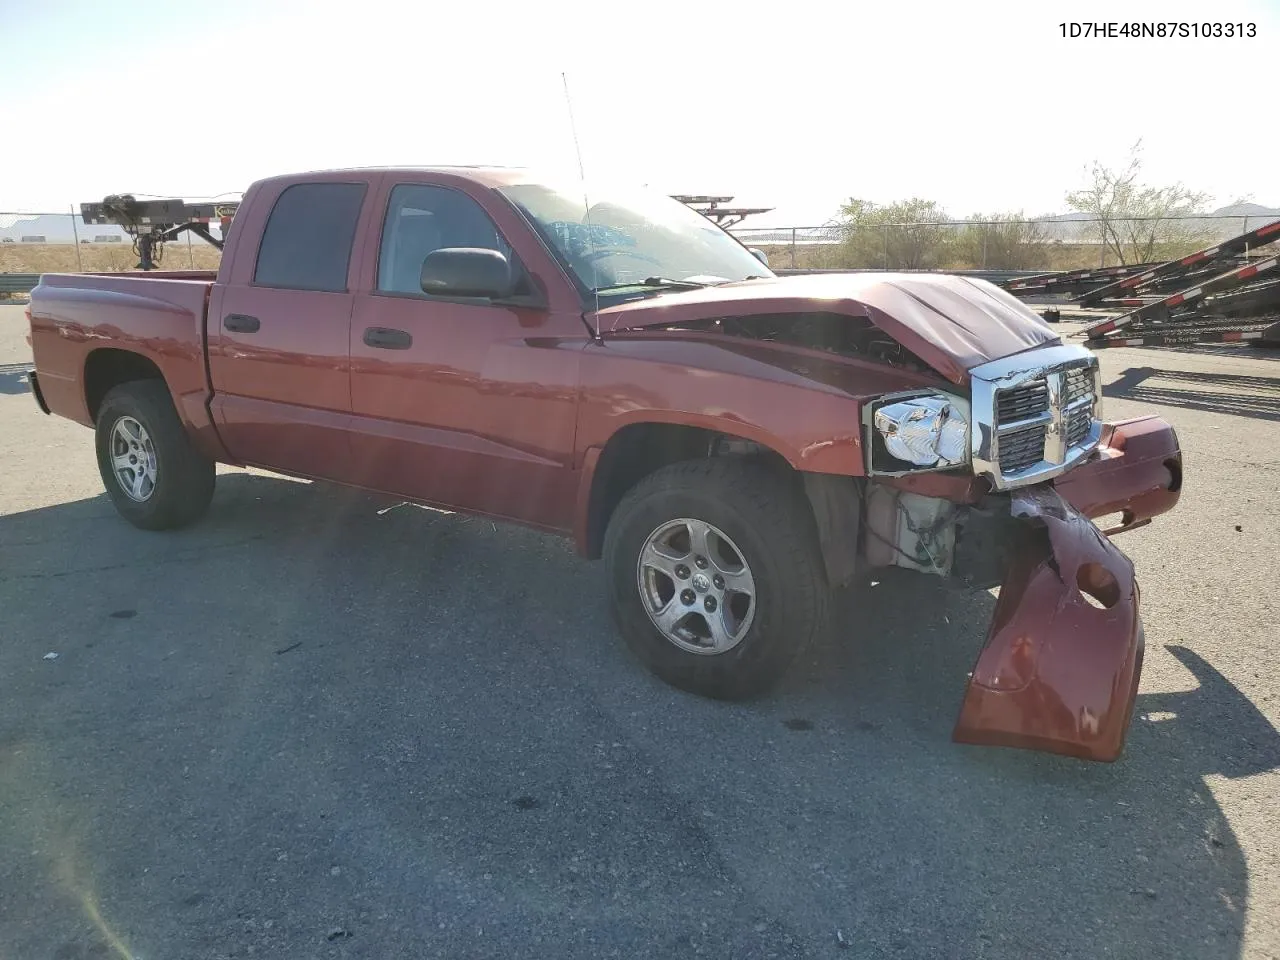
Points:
1174	272
1240	304
1072	282
1268	335
1161	288
714	209
1221	294
152	223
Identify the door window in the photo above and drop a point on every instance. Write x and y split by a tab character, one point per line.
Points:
422	219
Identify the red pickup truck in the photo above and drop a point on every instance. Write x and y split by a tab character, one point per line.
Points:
610	365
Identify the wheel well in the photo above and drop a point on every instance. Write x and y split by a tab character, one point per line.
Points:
639	449
109	368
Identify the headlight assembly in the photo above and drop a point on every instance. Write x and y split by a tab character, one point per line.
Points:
919	433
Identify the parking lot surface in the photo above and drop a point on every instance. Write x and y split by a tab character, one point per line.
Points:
304	728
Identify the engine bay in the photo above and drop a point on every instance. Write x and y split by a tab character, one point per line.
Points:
835	333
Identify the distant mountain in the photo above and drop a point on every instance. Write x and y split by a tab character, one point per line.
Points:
59	228
1221	224
1250	210
1064	217
55	228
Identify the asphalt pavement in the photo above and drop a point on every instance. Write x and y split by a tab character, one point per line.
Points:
305	728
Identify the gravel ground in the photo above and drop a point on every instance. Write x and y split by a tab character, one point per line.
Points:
302	729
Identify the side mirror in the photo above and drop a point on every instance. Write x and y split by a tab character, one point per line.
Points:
759	255
467	272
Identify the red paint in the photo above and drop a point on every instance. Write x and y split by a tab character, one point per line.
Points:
949	486
1057	673
1137	471
480	411
159	320
582	501
804	404
951	323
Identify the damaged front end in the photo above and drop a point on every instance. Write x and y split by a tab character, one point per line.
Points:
984	459
1061	664
1060	667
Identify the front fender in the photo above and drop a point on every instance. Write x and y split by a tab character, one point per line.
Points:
803	405
1058	673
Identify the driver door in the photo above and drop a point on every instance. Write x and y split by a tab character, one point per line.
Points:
455	402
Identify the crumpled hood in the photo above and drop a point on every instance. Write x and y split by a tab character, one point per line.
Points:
951	323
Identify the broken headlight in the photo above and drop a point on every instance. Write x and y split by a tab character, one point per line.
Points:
913	433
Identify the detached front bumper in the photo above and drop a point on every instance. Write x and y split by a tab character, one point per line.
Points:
1136	472
1063	659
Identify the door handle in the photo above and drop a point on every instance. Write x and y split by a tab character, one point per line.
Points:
241	323
384	338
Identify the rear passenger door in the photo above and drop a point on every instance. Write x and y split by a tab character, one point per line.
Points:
279	329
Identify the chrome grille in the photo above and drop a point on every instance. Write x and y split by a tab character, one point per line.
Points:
1078	425
1020	449
1079	383
1024	402
1039	420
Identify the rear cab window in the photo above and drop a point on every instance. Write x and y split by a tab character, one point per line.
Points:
306	244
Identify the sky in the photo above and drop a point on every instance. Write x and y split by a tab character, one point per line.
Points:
982	106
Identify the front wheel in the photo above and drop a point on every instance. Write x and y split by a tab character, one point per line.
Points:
716	577
154	476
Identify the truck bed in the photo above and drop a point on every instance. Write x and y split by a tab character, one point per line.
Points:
159	316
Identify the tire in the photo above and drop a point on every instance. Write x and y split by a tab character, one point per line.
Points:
768	525
180	478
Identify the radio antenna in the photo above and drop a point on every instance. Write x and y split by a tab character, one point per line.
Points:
586	204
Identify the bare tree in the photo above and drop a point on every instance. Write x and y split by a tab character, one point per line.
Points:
1136	221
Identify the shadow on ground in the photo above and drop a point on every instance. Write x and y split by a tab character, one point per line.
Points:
302	724
1237	394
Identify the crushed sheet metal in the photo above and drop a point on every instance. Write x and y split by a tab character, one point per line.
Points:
951	323
1058	673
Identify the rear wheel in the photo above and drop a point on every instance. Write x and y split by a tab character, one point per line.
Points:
154	476
716	576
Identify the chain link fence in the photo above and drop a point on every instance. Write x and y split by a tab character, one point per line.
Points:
60	243
63	243
1067	243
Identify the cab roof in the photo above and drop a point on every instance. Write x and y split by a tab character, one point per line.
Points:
488	176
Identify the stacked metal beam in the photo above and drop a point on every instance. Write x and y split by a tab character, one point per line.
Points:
1224	293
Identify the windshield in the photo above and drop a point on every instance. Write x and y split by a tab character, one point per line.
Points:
627	240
